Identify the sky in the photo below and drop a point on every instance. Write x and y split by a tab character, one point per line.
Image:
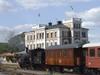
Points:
17	16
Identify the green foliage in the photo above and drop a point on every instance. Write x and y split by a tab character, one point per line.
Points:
15	56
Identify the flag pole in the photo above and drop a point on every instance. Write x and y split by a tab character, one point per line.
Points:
72	11
39	17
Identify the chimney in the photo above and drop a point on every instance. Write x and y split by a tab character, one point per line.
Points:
59	22
26	49
50	23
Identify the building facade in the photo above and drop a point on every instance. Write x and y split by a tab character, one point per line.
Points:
68	32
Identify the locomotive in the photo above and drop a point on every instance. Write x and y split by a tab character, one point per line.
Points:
34	58
79	57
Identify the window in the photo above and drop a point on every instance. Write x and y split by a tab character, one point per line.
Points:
65	33
27	37
92	52
51	35
37	45
30	37
51	43
37	35
76	34
87	53
42	45
59	53
74	25
83	53
79	25
47	54
55	34
55	43
34	37
70	54
47	44
98	52
47	35
34	46
31	46
65	43
64	53
42	35
83	34
51	54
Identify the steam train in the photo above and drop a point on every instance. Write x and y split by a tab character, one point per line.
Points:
79	57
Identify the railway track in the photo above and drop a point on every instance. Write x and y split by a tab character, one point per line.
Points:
18	71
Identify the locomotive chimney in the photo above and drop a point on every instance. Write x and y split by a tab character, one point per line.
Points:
26	49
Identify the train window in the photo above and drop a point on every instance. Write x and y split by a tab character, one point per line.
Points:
83	53
70	53
64	53
87	53
98	52
59	53
51	54
47	54
92	52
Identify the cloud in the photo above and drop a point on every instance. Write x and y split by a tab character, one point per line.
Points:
6	7
91	17
94	38
6	33
37	4
23	27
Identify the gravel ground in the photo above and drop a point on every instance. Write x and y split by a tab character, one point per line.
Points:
14	71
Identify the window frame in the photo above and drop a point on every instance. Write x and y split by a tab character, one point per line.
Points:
34	37
51	35
51	54
65	51
30	46
60	53
30	37
98	52
70	53
47	54
55	34
93	52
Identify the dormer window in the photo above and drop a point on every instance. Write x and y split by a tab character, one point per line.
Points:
77	26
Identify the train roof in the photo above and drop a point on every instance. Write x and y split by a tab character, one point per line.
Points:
67	46
91	45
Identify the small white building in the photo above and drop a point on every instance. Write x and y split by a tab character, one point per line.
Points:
68	32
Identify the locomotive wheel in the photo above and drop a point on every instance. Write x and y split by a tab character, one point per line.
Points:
61	70
98	73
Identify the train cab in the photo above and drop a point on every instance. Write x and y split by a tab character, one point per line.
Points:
92	55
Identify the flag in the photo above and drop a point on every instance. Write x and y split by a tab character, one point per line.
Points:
39	14
71	7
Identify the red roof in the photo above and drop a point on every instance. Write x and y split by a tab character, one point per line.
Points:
7	54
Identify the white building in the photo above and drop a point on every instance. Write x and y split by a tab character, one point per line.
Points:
68	32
